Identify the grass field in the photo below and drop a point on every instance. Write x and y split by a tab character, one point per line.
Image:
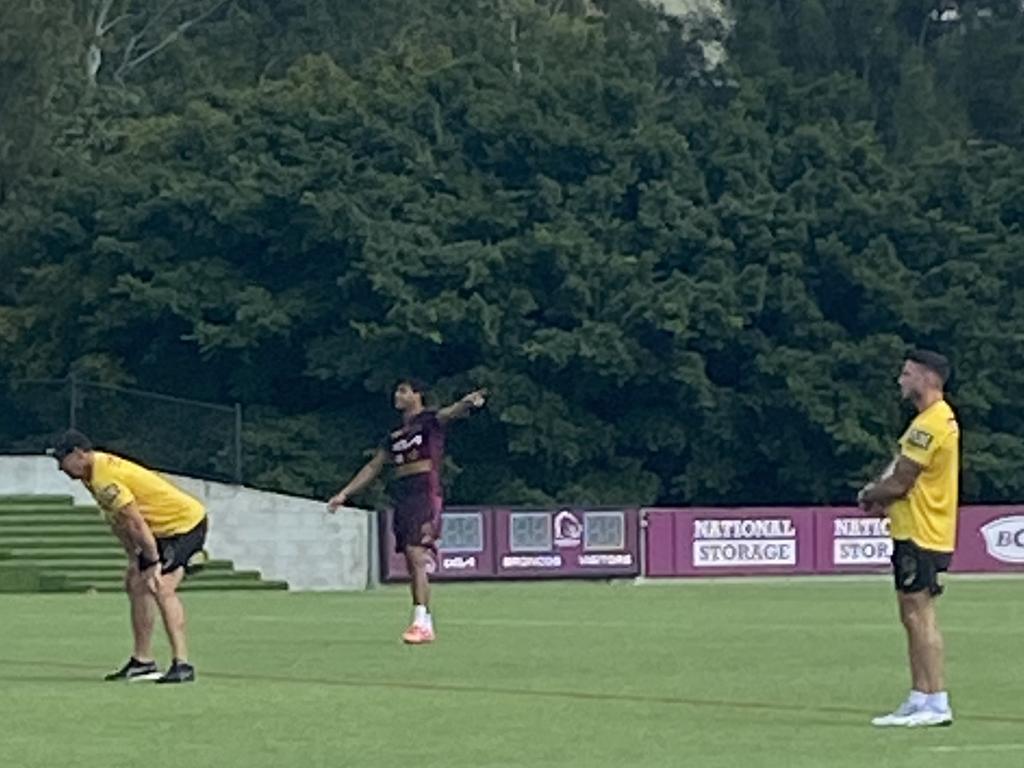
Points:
711	675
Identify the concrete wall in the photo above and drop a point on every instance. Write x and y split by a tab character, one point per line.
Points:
283	537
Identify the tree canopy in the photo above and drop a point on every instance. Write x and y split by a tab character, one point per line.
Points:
685	246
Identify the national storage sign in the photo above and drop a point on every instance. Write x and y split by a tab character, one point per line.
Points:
731	542
726	542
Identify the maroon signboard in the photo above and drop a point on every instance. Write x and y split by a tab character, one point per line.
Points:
568	542
483	543
659	527
990	539
823	540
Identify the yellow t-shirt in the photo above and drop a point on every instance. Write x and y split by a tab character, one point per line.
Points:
927	516
117	482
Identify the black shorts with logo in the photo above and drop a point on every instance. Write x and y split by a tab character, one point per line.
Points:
176	550
916	569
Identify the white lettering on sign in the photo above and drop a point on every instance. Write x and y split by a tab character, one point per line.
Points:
861	541
869	551
531	561
712	554
1004	539
723	543
745	528
458	563
859	527
606	560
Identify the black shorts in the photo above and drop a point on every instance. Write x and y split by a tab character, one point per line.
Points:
416	522
176	550
916	569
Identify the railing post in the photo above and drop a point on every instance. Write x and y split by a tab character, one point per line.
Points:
238	443
73	405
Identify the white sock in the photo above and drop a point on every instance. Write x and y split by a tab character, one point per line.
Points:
419	615
918	699
430	622
939	702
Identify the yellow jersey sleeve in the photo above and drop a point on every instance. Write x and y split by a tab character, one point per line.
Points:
109	490
925	436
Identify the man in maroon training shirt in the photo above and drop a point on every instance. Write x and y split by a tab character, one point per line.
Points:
416	451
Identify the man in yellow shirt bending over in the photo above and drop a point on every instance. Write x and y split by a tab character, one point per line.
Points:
920	492
161	528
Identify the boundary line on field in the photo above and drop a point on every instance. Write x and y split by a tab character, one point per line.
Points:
487	690
887	627
954	749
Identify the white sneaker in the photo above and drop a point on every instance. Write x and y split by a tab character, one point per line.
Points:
927	717
901	717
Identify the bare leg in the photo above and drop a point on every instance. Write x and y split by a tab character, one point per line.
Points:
932	648
909	619
917	611
416	559
141	602
173	613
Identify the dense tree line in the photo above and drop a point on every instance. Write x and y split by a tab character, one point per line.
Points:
684	246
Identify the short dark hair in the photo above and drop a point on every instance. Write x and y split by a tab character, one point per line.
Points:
933	361
66	444
419	386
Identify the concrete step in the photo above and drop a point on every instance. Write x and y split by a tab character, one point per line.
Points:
48	542
45	532
51	519
116	563
51	499
221	570
64	553
92	540
191	585
34	510
211	585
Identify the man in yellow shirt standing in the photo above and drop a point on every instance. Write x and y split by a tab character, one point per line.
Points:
161	528
919	491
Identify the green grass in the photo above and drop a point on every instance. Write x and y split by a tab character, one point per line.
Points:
712	675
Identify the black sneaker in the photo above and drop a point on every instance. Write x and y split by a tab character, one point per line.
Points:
180	672
135	671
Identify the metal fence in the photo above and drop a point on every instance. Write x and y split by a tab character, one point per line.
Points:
172	434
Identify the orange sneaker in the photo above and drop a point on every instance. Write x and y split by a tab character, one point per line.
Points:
417	635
